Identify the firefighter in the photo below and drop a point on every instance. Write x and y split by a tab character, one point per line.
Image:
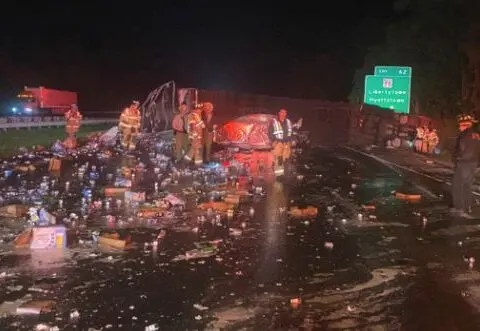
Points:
281	133
180	131
195	135
465	159
426	134
72	125
208	132
419	139
433	140
129	125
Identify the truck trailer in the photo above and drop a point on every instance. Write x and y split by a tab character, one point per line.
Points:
43	101
162	104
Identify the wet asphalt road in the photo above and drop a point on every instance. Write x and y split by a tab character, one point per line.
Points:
347	268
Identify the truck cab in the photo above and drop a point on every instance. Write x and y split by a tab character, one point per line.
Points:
25	104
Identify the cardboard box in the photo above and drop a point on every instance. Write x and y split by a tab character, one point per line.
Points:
24	239
151	212
218	206
13	210
25	168
49	237
233	199
135	196
408	197
54	165
36	307
303	212
115	191
113	240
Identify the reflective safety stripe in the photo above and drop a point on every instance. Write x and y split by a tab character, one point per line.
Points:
278	129
195	120
420	133
130	118
198	161
279	171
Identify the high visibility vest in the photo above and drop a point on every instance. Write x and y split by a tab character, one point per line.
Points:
278	129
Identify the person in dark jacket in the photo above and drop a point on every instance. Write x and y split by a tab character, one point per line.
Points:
465	159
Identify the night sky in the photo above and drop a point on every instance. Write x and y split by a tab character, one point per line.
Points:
113	52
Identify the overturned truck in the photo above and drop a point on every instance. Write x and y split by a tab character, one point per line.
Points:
382	127
244	116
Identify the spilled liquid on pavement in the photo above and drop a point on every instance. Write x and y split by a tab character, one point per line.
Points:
348	268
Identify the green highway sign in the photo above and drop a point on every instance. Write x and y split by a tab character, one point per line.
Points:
391	92
393	71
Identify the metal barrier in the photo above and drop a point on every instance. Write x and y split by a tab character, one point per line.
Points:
37	122
102	114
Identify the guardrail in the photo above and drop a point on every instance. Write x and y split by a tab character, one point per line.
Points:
101	114
45	122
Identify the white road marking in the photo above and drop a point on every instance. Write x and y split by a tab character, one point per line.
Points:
391	165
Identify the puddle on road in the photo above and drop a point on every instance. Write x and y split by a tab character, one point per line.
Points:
363	305
455	230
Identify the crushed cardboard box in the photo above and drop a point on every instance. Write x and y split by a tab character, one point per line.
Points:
297	212
233	199
149	211
16	210
115	191
54	165
36	307
408	197
216	205
113	240
25	168
24	239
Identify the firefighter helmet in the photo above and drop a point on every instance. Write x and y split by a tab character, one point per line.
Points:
465	118
208	107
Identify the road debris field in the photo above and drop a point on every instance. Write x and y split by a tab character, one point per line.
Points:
107	240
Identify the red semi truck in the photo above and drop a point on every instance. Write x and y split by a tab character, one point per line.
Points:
43	101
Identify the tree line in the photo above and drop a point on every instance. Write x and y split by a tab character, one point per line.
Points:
438	39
